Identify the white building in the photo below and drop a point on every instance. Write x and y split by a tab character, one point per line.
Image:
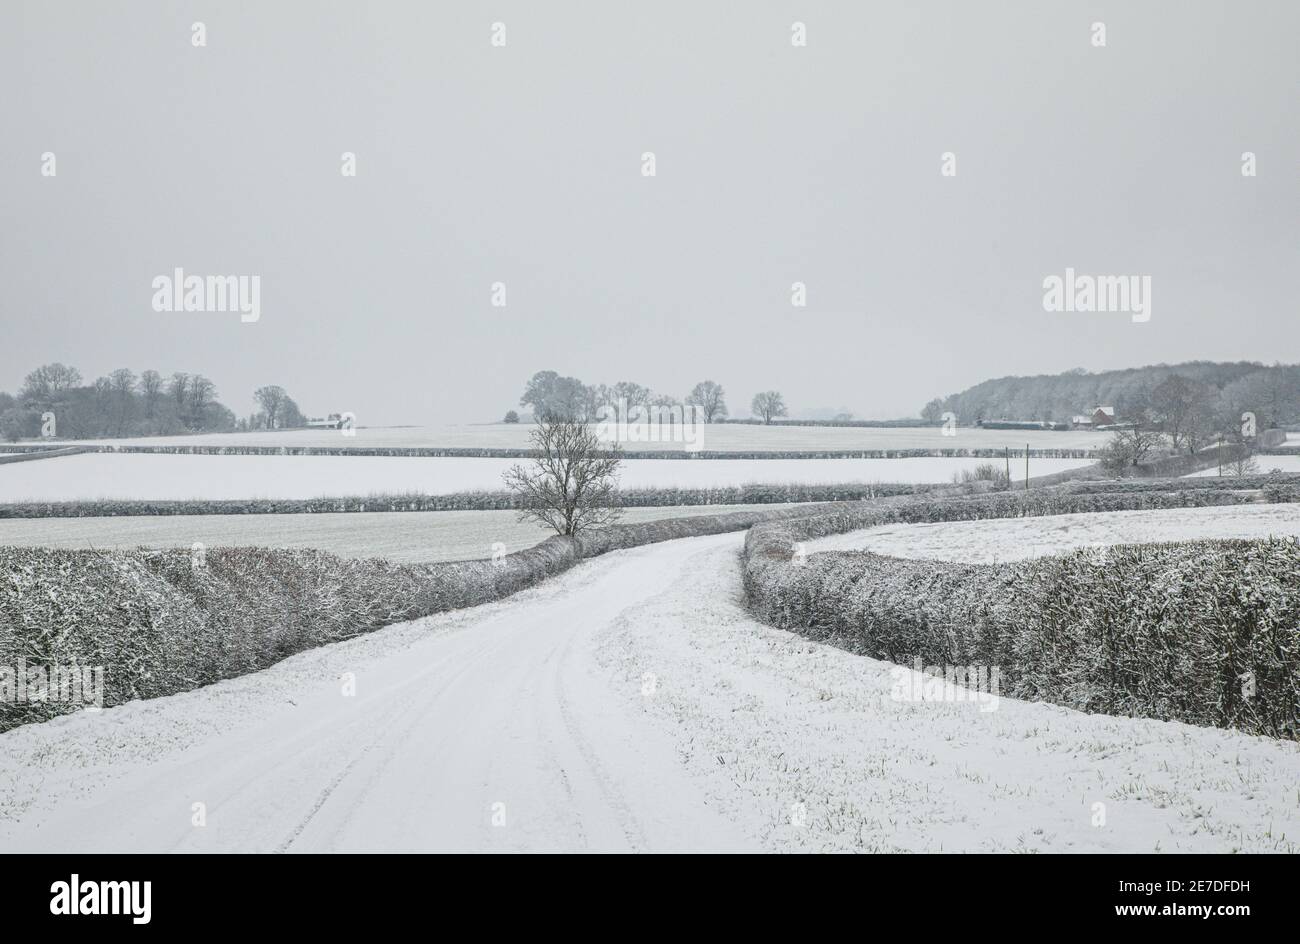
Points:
333	421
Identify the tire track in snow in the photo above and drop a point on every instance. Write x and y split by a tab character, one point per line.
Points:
415	715
631	828
506	705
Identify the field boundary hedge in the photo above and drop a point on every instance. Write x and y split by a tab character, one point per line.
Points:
1167	631
157	624
28	455
459	501
467	452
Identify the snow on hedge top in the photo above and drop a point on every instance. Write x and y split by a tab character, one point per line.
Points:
1010	539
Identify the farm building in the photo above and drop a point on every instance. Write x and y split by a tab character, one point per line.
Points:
1100	416
333	421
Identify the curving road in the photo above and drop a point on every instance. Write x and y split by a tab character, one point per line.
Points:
627	705
497	733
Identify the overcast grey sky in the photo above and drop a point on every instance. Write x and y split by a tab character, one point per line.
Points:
522	164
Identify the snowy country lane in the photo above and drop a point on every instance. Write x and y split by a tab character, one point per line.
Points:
630	704
452	715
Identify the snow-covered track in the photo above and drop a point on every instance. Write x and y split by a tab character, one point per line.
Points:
629	704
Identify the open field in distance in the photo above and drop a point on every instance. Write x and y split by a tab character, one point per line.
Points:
409	538
1009	539
1265	463
721	437
178	477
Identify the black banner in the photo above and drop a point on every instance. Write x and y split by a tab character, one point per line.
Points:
138	894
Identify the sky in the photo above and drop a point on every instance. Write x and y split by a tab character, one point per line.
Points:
522	164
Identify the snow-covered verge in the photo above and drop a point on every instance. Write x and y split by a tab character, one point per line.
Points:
1265	463
813	748
1011	539
476	730
1199	631
629	704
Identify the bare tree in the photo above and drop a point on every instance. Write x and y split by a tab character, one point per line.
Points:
1236	454
597	399
1126	449
202	392
708	396
1241	463
179	390
551	396
101	398
1278	393
769	404
1000	480
151	384
636	398
271	400
123	381
46	383
1199	428
1184	410
663	408
571	485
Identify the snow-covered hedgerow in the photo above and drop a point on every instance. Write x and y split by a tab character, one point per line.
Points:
492	452
456	501
1204	632
1213	483
29	455
163	621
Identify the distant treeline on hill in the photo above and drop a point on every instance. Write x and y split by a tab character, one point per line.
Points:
1219	392
55	402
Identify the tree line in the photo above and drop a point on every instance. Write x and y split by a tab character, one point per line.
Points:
1193	404
54	401
551	396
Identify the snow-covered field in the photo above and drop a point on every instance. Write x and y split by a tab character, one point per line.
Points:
1007	539
407	537
1265	463
630	704
724	437
162	477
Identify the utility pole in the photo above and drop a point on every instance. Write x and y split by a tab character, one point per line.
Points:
1026	467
